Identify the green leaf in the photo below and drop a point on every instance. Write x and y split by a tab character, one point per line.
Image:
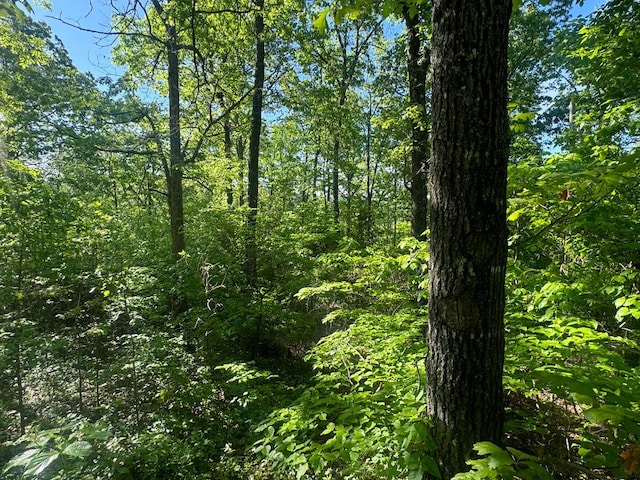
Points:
302	470
320	23
524	116
515	215
430	466
20	460
613	413
79	449
40	462
486	448
519	455
415	475
330	428
500	459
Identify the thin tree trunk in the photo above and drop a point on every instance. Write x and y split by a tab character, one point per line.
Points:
468	241
368	226
176	207
315	174
174	171
336	158
417	68
80	379
228	147
21	411
327	186
254	147
335	191
240	153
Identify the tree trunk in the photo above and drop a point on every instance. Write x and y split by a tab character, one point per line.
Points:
240	153
335	181
335	191
254	147
174	168
174	182
228	147
368	214
227	152
20	393
467	182
417	69
316	157
174	171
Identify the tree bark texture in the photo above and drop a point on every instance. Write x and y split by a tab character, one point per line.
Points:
468	238
254	147
174	182
417	69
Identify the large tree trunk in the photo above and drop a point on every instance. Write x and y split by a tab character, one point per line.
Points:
254	147
417	68
468	241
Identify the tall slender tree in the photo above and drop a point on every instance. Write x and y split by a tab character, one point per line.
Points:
468	239
417	69
174	169
254	145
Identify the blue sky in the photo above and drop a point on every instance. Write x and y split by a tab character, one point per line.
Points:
91	52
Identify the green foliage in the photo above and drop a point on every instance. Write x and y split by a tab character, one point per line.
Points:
361	416
504	464
67	451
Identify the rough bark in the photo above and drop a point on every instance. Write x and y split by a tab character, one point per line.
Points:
468	240
176	207
254	147
417	69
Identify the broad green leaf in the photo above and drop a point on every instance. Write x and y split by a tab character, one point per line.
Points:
430	466
515	215
40	462
613	413
22	459
500	459
330	428
486	448
78	449
321	23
